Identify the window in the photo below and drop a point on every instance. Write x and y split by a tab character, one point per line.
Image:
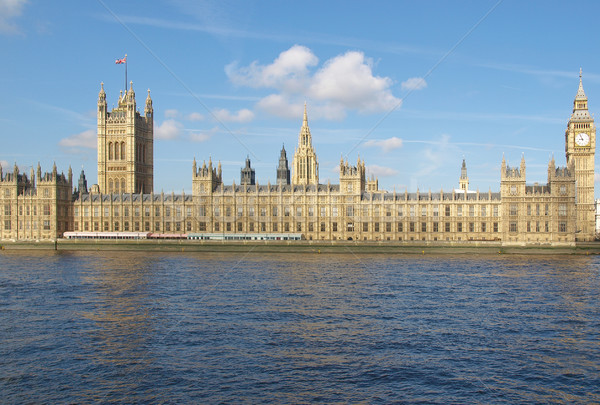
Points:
137	211
216	226
146	211
105	226
334	226
125	211
471	210
447	227
7	209
435	210
447	210
411	227
459	227
298	211
311	227
483	227
471	227
424	211
47	225
376	225
274	211
563	189
423	226
513	210
168	211
263	227
125	226
217	212
562	226
7	224
513	190
47	209
334	211
168	227
263	212
116	211
322	226
483	211
350	227
459	211
275	227
435	227
546	210
365	227
349	211
202	226
400	211
512	226
188	212
400	227
528	209
562	210
412	210
388	227
495	226
240	226
286	211
495	213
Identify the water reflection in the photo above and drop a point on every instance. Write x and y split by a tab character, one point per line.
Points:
131	327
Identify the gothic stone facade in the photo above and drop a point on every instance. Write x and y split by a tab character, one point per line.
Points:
44	206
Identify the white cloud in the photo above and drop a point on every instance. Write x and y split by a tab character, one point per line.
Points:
85	139
386	145
381	171
348	80
243	115
4	164
203	136
436	155
169	129
195	116
10	9
414	83
596	177
171	113
279	105
345	82
288	71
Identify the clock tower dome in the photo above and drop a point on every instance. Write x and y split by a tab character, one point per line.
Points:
580	148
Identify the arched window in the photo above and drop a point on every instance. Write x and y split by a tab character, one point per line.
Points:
110	151
110	186
123	150
116	150
122	185
116	186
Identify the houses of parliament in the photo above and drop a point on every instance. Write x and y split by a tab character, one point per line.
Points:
49	205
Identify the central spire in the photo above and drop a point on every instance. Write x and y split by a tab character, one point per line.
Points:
305	168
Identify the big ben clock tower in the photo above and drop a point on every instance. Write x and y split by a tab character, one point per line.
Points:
580	148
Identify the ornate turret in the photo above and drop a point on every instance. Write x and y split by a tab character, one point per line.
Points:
283	171
247	175
464	179
305	168
149	111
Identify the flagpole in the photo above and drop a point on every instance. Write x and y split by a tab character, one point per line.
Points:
125	73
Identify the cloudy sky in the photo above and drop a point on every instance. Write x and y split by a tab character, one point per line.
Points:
410	87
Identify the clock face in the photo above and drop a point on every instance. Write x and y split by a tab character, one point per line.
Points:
582	139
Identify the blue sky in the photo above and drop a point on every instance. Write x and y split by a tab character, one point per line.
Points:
411	87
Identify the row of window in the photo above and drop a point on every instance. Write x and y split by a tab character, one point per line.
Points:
30	210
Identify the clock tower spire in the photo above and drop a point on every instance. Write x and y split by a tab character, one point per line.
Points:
580	148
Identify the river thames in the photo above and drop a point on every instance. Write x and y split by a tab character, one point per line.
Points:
120	327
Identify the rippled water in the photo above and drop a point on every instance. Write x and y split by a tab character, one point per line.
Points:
214	328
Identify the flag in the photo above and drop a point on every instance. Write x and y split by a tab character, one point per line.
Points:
119	61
